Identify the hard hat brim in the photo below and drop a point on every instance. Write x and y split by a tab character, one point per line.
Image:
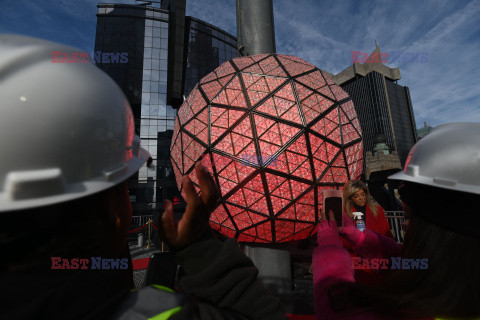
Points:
77	190
435	182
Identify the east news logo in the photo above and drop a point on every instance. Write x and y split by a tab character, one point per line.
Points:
93	263
392	263
84	57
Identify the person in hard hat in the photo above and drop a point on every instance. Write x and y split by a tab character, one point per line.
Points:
435	274
67	148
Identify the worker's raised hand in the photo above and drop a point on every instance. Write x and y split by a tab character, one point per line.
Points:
349	232
327	232
194	223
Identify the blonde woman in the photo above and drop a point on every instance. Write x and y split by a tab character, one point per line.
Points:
357	199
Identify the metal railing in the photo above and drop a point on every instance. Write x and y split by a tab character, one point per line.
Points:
137	222
395	218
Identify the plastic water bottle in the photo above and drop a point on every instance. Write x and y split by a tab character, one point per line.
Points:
359	222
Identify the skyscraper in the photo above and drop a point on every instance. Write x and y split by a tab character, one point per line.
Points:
383	106
165	55
208	47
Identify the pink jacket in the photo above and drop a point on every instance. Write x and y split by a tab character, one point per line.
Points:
332	263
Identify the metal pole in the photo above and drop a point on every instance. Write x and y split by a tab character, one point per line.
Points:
149	224
255	27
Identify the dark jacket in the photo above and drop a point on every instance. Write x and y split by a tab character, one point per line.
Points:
220	283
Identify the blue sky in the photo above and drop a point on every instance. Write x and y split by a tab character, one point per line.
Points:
444	89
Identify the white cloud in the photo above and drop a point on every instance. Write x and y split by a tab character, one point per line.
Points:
444	89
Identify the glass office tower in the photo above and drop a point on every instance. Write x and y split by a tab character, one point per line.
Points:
151	38
143	33
208	47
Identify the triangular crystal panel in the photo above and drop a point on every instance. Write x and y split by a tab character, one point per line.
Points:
262	124
284	229
312	80
225	144
212	88
243	62
325	90
293	67
287	132
270	66
268	107
338	92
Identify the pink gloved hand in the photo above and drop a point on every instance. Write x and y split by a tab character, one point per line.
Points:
350	232
327	233
368	244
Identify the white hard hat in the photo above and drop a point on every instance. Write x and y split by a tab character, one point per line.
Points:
66	129
448	157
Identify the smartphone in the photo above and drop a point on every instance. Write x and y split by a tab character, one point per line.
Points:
333	201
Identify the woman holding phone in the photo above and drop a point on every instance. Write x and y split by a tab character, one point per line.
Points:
443	235
357	199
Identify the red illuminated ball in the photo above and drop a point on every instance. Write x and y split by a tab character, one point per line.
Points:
275	132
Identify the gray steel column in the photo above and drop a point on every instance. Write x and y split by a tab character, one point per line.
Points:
255	27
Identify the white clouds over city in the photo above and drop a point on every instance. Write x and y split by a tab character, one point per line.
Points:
443	89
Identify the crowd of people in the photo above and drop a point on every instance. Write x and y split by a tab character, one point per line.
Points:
67	148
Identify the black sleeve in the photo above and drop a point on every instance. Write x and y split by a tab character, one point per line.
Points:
224	283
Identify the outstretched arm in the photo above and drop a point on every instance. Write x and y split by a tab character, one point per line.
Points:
331	264
220	280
